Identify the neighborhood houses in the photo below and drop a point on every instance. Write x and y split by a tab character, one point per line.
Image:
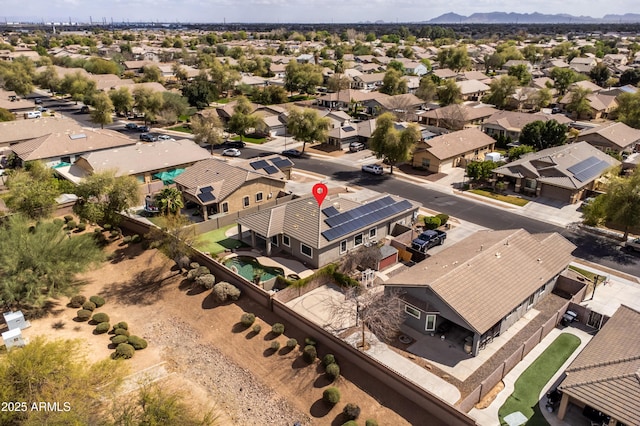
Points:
423	223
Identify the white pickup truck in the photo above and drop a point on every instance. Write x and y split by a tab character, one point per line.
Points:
633	245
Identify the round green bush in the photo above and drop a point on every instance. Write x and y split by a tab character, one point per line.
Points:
127	239
333	371
351	411
371	422
350	423
247	319
97	300
84	314
121	324
135	238
194	265
122	332
275	345
309	341
124	350
116	340
100	317
71	224
68	218
292	343
88	305
257	328
138	343
58	222
328	359
331	396
207	281
277	329
77	301
444	218
431	222
309	354
102	327
106	227
82	227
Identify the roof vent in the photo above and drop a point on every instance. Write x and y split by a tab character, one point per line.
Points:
539	260
498	255
77	136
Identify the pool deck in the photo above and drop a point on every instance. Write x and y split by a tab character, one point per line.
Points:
290	266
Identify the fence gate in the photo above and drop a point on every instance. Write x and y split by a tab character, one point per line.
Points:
595	320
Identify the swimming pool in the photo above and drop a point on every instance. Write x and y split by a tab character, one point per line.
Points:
246	265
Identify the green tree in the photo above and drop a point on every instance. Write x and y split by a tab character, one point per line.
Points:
48	79
41	261
6	115
521	73
207	129
169	201
501	89
579	102
101	66
122	100
18	75
103	109
307	126
393	83
543	134
103	195
480	170
147	102
629	109
303	78
542	98
563	78
518	151
390	144
630	76
78	86
270	95
622	202
449	93
338	82
455	58
173	106
32	190
427	90
223	77
243	120
200	92
151	73
600	74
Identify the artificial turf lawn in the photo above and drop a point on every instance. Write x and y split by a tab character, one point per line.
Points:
530	383
216	241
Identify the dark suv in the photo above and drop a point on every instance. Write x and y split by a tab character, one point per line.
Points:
149	137
234	144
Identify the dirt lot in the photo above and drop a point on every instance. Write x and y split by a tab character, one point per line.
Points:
209	354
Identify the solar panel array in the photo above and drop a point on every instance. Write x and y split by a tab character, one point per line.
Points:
345	223
206	189
205	197
588	169
281	162
271	169
348	129
259	164
330	211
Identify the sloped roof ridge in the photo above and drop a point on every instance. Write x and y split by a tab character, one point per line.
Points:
603	363
603	380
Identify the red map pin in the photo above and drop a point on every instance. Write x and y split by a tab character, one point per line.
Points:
319	192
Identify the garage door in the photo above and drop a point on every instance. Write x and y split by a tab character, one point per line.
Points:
556	193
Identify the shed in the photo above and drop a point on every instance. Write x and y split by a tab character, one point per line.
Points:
13	338
388	257
15	320
493	156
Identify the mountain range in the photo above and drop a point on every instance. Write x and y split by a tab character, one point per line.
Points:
531	18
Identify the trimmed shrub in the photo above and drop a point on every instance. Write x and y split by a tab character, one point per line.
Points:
122	332
351	411
257	328
138	343
333	371
224	291
350	423
97	300
102	327
331	395
106	227
58	222
371	422
88	305
100	317
194	265
135	239
123	350
77	301
116	340
207	281
247	319
68	218
275	345
121	324
277	329
444	218
309	354
292	343
84	314
82	227
196	272
127	239
328	359
309	341
71	224
431	222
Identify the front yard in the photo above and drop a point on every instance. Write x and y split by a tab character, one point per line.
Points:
517	201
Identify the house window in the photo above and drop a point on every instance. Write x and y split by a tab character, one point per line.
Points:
225	207
530	301
306	250
430	325
274	240
373	232
245	201
65	159
285	240
258	197
357	240
343	246
426	162
412	311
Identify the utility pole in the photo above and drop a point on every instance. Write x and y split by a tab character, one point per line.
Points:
595	284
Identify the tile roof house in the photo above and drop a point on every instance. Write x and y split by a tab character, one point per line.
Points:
345	99
483	284
342	136
319	235
509	123
457	116
600	105
404	106
616	136
563	173
445	152
472	90
222	188
605	376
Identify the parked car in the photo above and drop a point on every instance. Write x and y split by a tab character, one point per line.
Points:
372	168
148	137
42	109
37	101
144	129
632	245
165	138
428	239
356	146
32	114
231	152
292	153
84	109
131	126
235	144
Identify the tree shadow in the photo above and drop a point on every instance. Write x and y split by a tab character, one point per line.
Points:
238	328
210	302
250	335
271	335
128	251
268	352
322	381
320	368
339	420
320	409
196	289
145	288
299	363
285	350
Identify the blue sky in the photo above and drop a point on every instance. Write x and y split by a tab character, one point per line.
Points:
303	11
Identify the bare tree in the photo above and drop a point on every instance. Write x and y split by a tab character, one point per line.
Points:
381	312
366	256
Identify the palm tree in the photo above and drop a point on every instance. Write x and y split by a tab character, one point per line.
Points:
169	201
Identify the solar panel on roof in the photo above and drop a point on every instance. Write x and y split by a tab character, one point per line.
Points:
588	169
271	169
281	162
583	165
330	211
206	189
205	197
259	164
348	129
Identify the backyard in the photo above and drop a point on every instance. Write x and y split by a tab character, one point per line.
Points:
216	241
527	388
